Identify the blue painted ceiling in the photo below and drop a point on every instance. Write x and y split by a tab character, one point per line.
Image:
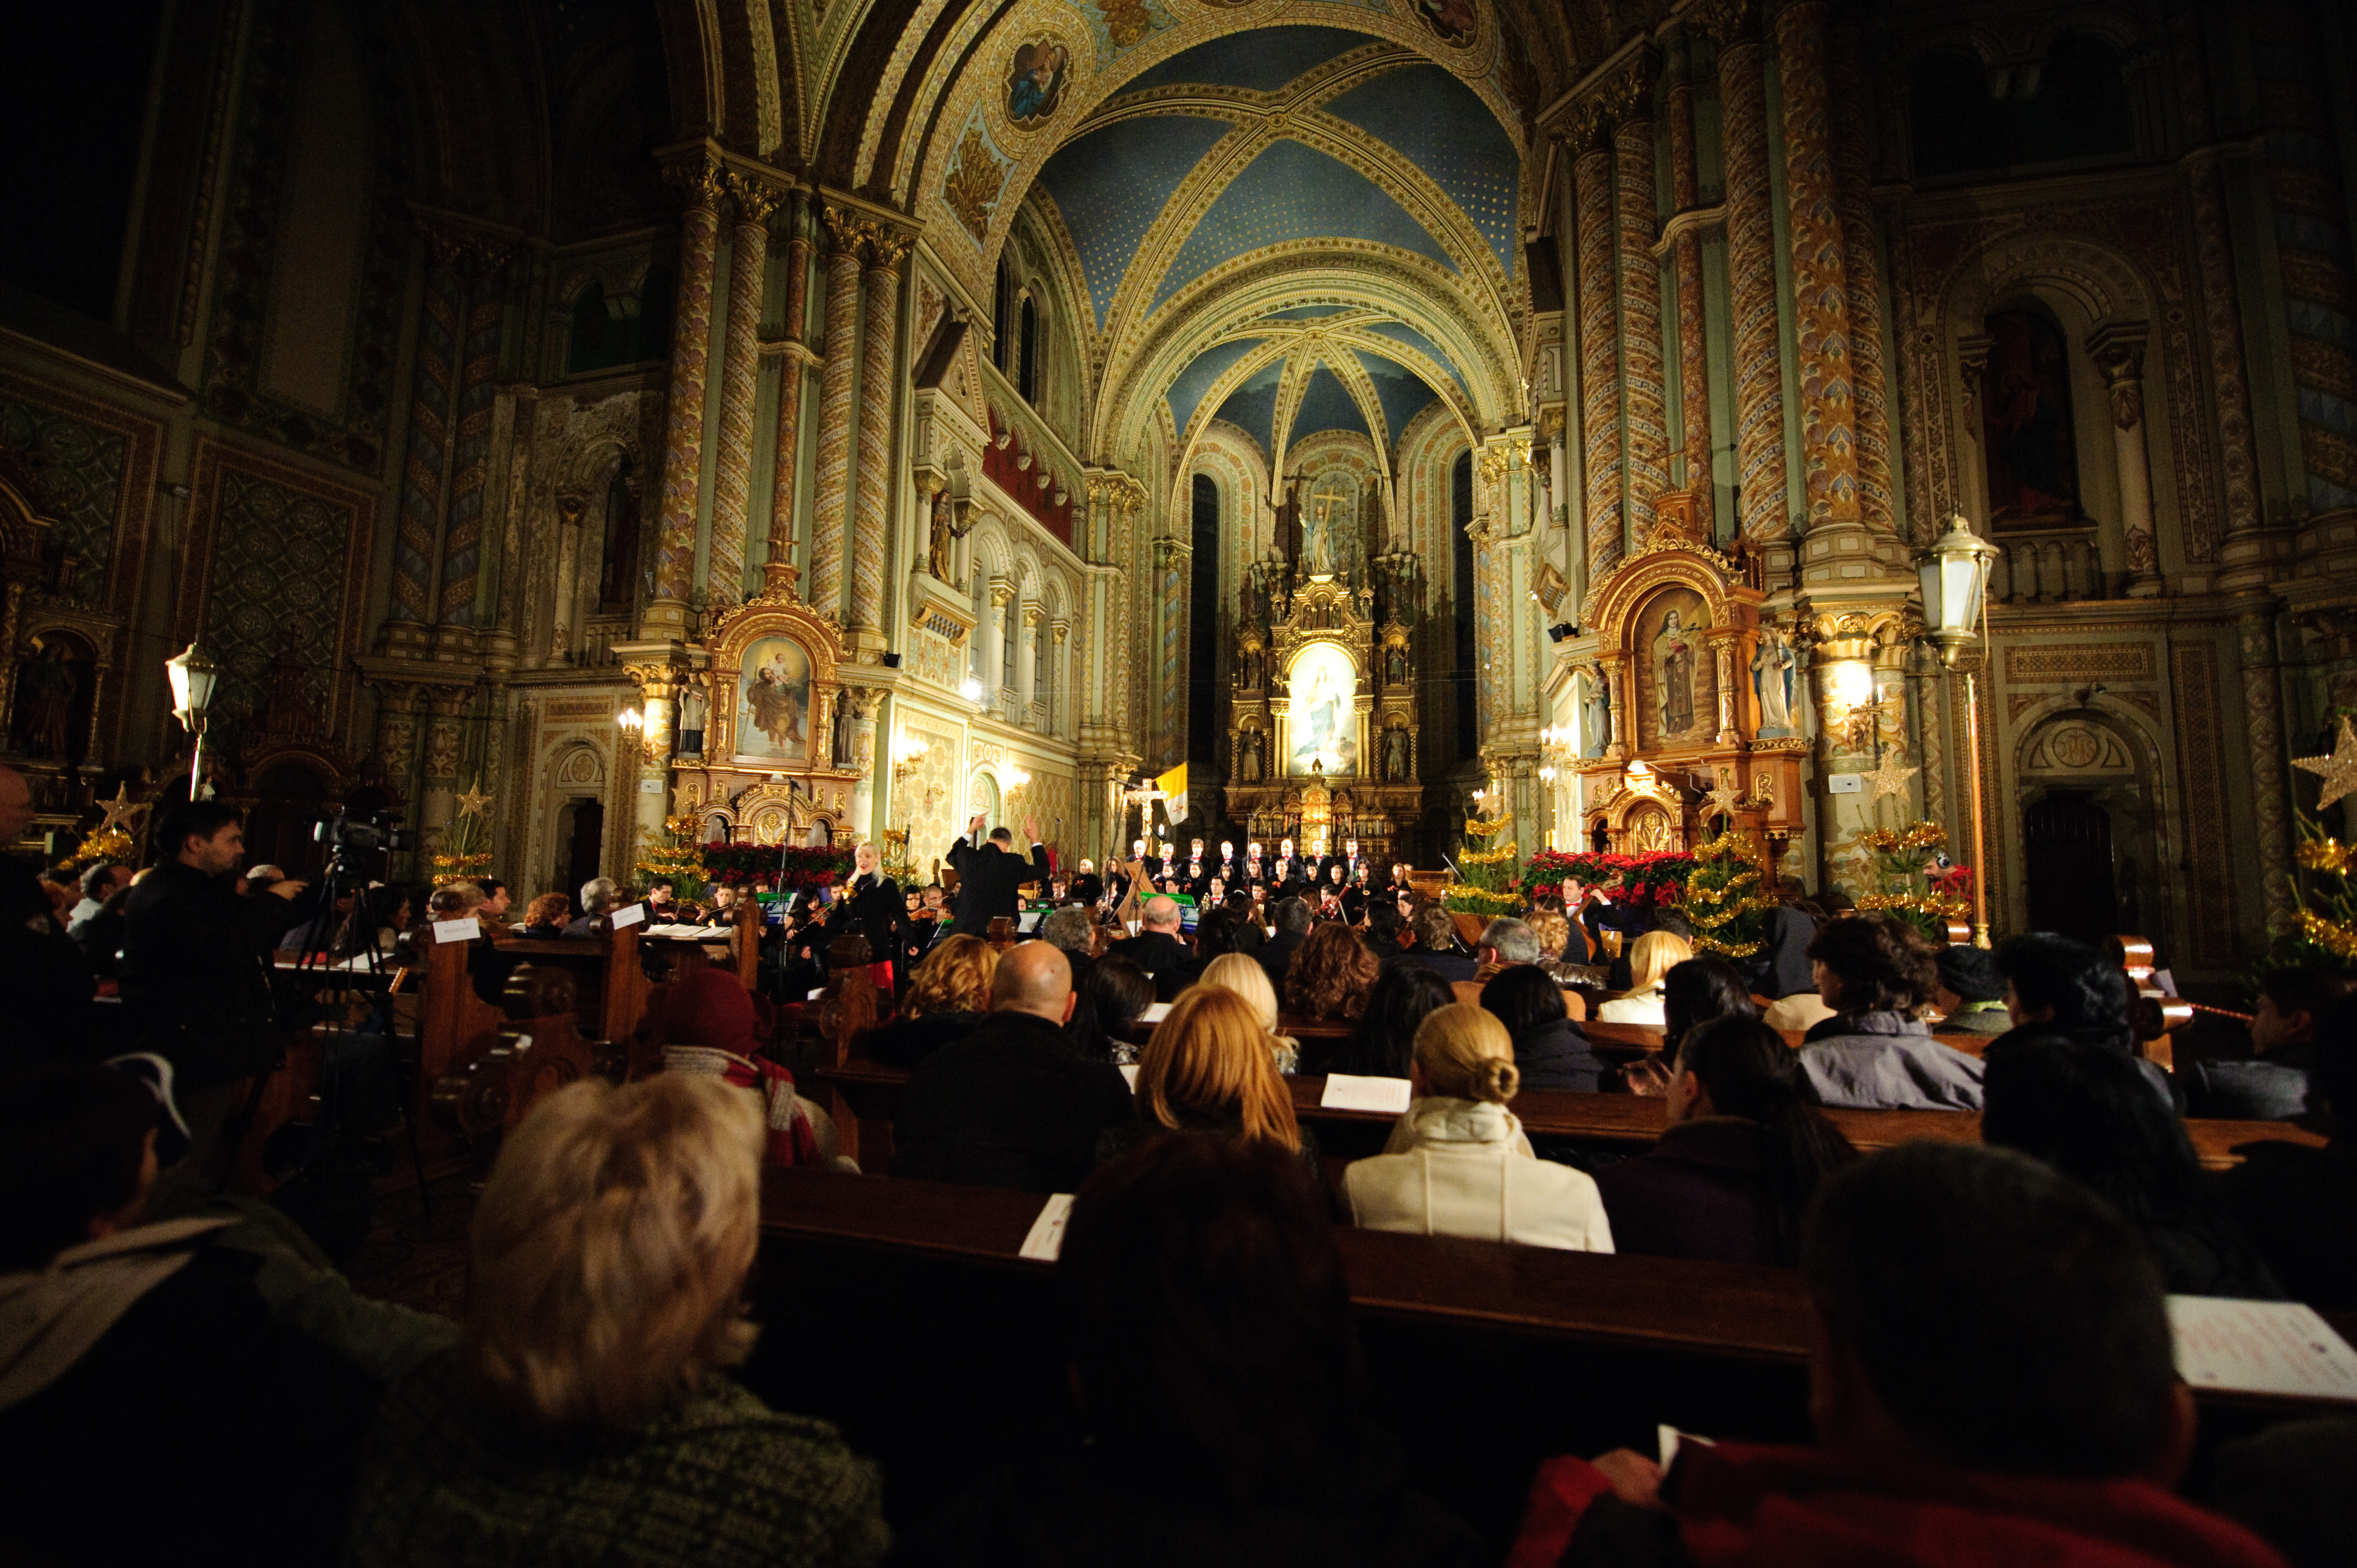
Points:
1400	390
1400	332
1450	133
1187	392
1259	61
1327	405
1110	186
1253	406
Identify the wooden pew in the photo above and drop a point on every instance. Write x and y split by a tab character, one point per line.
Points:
944	1351
1647	1037
735	947
867	1095
536	1050
609	978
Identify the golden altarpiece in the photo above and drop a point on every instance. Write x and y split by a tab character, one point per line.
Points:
1689	725
788	744
1324	726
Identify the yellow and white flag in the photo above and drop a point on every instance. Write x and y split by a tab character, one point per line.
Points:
1173	786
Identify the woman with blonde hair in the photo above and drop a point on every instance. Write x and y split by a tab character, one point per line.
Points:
1457	1163
587	1416
1243	974
949	994
1650	960
1208	1068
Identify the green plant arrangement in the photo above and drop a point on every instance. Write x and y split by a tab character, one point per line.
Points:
678	860
1724	901
1484	871
465	851
1914	887
784	868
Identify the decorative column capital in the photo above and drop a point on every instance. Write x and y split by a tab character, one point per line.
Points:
755	199
845	229
699	181
886	248
1721	21
2117	350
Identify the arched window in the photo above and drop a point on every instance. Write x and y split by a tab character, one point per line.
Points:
1026	378
618	573
1002	320
2027	443
1043	677
1010	640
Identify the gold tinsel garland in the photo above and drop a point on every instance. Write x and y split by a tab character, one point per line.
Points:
679	862
1712	905
107	844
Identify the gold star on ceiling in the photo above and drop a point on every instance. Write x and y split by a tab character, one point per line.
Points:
1889	777
2338	771
474	801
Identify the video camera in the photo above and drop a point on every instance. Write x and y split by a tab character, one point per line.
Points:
350	837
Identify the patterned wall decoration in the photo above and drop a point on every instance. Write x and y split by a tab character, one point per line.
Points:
974	180
2086	662
926	802
355	435
1120	25
277	564
2209	899
95	466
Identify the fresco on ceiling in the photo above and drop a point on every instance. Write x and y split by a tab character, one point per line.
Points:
1035	85
1451	21
1261	60
1123	25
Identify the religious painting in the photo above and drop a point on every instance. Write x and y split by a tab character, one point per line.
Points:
1323	687
773	702
2027	441
1677	696
1454	21
55	684
1035	85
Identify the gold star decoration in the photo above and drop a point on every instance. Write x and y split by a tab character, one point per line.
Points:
472	803
2338	771
1723	801
122	811
1889	777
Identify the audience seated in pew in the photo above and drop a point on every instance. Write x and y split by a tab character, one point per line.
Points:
1240	973
948	995
1072	930
1874	1053
709	1025
1292	920
1783	973
1650	957
2298	1204
2084	1109
1971	992
2063	991
1433	935
1698	990
1330	979
1220	932
1458	1165
155	1407
1991	1379
1157	948
598	897
1113	993
587	1417
1209	1068
2273	1086
1383	1046
545	916
1504	941
1012	1105
1216	1370
1743	1153
1550	1050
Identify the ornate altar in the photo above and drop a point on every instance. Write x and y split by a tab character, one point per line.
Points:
1324	726
786	741
1695	698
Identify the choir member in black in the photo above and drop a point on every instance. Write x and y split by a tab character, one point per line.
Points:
1088	887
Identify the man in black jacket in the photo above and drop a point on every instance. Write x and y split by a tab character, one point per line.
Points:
194	986
1291	918
43	975
1012	1105
989	873
1157	948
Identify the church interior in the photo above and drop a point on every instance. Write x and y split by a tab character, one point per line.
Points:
1904	454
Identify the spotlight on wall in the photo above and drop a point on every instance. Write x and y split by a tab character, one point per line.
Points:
1560	630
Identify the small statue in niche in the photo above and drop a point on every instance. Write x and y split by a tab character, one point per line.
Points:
1395	755
1395	666
693	710
1249	763
1772	670
938	548
1596	713
842	731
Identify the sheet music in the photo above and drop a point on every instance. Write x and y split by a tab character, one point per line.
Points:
1349	1091
1047	1237
2260	1347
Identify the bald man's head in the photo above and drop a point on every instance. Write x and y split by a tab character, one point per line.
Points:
1034	977
1160	914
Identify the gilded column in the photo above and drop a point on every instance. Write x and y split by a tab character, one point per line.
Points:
836	414
2263	722
1722	652
1646	413
1820	291
699	239
1617	742
1854	200
1599	346
1752	279
740	370
876	382
786	468
1694	348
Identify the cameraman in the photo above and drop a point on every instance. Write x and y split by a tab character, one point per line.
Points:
195	989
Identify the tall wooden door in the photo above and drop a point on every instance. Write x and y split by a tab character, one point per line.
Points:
584	836
2066	844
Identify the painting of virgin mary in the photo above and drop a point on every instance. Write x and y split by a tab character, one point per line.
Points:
1036	83
773	700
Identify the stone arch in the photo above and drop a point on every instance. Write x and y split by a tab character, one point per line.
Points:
2121	763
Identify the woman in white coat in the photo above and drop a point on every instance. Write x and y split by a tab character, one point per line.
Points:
1457	1163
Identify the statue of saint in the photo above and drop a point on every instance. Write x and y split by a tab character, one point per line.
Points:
1673	677
1396	668
938	549
1248	764
1772	673
1395	757
1596	713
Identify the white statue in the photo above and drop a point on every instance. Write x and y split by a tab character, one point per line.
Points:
1772	672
